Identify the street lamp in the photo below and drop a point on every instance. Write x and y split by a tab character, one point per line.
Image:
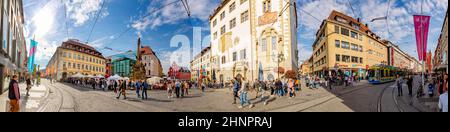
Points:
278	58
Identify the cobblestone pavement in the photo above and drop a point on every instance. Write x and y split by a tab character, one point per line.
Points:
362	97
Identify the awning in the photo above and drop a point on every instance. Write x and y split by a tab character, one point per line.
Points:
440	67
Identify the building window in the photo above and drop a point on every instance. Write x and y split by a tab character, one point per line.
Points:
232	6
354	47
244	16
64	54
222	15
345	58
243	1
360	48
338	57
214	22
354	35
355	59
69	65
345	31
338	43
243	54
361	60
234	56
264	44
64	64
215	35
233	23
73	65
345	45
274	43
223	60
223	30
78	66
336	29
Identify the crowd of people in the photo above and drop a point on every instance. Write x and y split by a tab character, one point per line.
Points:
281	88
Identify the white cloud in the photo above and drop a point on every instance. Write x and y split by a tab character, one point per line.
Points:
400	17
45	27
304	52
82	10
172	14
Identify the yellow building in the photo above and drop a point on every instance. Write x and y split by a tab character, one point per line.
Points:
74	57
305	69
345	45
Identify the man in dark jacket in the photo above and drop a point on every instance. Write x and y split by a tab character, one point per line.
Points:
14	95
409	82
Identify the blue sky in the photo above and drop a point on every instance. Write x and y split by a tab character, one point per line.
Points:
46	21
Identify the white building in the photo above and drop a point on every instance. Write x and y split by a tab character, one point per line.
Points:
249	34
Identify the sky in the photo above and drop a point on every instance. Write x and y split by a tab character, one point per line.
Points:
166	27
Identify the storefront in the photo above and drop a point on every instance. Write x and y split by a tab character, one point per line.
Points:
7	70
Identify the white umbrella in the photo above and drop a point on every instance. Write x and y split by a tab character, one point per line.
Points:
89	76
115	77
78	75
99	76
125	78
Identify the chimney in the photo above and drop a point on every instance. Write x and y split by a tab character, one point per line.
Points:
359	19
367	25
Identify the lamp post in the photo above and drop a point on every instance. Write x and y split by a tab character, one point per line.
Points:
279	58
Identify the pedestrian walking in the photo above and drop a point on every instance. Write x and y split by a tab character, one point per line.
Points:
272	87
409	82
182	89
145	87
243	94
298	85
236	87
14	95
122	89
186	88
203	85
115	86
138	87
291	88
177	88
443	100
256	87
28	81
279	87
346	80
169	89
399	83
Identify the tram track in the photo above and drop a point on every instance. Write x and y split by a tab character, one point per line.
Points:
340	95
61	92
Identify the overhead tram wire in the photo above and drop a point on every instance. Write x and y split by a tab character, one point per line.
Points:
65	19
351	7
387	19
307	13
95	22
188	11
146	15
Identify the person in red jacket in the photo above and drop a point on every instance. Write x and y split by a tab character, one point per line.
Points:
14	95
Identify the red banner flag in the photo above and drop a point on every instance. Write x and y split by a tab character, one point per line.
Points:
421	25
